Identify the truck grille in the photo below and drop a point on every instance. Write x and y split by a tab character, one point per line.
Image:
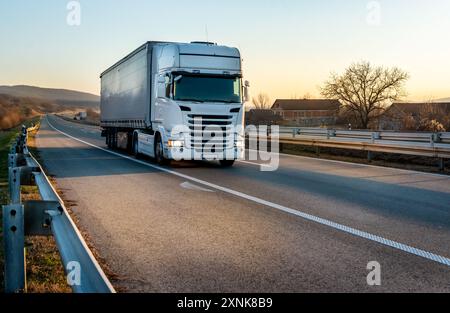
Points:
211	133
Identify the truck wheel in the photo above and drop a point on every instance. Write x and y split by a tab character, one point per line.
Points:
114	139
134	147
226	163
130	139
159	152
108	139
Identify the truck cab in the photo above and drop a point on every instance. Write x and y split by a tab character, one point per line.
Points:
196	100
199	111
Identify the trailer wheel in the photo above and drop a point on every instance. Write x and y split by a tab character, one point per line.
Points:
130	138
108	139
135	148
159	151
114	139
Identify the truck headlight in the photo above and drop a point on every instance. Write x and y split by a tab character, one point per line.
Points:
239	141
175	143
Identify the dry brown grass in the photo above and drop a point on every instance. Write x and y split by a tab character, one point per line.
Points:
16	110
45	273
9	118
93	115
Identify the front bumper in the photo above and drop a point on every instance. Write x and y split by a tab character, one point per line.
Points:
190	154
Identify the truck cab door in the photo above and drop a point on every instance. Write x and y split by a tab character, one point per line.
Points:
163	82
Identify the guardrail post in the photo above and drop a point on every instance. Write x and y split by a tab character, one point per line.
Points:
14	185
441	164
14	243
37	220
376	136
331	133
435	138
12	159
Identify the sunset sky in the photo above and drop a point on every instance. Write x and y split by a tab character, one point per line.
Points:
289	47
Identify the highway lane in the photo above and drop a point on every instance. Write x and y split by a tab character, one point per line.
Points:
400	205
161	233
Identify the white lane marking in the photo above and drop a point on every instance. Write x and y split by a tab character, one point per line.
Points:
356	232
190	186
253	163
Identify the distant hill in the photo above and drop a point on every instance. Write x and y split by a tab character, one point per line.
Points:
443	100
15	110
63	97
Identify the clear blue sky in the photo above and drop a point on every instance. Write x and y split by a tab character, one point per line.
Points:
289	46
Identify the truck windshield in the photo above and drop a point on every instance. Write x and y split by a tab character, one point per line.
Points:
207	89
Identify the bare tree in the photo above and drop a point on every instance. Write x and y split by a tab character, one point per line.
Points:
431	125
366	90
262	102
432	117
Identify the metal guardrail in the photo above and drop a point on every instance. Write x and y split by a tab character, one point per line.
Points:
427	137
46	217
426	144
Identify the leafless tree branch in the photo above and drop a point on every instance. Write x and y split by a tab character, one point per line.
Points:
366	90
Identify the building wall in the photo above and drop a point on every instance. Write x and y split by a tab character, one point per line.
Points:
308	118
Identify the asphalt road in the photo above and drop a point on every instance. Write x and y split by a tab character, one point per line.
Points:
195	227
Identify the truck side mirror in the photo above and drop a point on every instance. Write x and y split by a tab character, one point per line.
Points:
246	91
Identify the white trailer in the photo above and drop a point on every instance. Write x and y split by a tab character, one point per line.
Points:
176	101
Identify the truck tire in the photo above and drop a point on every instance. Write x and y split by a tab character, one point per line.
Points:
134	147
130	138
159	152
108	139
226	163
114	139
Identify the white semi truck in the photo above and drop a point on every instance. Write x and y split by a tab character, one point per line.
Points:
176	101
